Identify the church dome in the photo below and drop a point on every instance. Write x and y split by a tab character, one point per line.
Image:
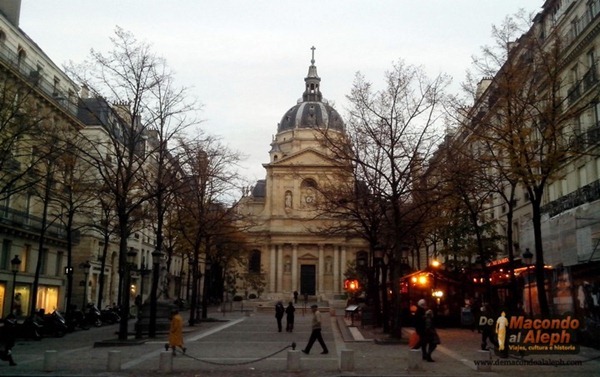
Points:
312	111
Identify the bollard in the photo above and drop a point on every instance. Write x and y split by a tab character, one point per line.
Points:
50	358
415	359
293	361
347	360
483	355
114	361
165	363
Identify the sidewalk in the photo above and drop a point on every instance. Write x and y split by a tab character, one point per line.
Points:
248	343
460	348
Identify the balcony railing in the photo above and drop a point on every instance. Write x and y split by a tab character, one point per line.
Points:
35	77
578	27
585	194
25	222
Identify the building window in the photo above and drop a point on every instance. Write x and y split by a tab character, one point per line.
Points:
254	262
58	269
21	55
5	257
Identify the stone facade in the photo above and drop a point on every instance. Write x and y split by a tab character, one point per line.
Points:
290	245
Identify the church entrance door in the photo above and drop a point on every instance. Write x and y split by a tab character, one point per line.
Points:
307	279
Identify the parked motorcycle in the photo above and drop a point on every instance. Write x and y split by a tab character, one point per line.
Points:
77	319
30	328
93	315
55	324
110	316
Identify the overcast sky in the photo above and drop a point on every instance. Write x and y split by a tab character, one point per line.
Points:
245	60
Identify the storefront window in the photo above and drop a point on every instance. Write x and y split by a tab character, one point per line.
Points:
47	298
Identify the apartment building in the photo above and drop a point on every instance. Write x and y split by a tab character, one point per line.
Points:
558	58
36	96
42	108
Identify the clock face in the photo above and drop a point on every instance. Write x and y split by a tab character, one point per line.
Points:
309	199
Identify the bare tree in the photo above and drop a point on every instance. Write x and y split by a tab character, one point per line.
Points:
209	176
392	131
20	122
131	77
525	121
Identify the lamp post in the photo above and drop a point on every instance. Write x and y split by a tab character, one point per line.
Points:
156	257
15	263
528	259
378	264
131	267
69	275
143	272
86	270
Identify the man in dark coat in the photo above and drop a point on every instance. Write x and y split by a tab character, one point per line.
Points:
279	310
289	311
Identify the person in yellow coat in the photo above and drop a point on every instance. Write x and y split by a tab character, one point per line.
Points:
501	324
176	331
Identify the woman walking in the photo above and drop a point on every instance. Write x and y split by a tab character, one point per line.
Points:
432	338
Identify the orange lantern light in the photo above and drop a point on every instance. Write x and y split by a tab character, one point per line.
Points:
351	285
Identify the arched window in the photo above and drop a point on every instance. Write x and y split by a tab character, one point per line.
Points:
254	262
21	55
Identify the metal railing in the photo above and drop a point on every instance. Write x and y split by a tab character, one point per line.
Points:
25	222
36	77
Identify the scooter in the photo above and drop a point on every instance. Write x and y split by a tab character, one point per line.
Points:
109	316
78	320
93	315
55	324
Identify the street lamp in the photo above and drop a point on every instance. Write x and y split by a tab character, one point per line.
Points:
528	259
86	270
131	264
143	272
69	274
15	263
156	258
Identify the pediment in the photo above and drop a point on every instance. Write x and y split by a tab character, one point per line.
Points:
309	157
307	256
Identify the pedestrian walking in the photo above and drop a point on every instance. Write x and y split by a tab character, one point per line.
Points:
316	332
501	325
279	310
420	325
7	339
176	332
295	297
486	323
432	338
289	318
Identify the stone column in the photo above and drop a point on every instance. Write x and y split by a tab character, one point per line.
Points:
343	263
337	270
321	270
272	258
294	267
279	268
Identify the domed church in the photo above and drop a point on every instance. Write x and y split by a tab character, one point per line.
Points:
290	245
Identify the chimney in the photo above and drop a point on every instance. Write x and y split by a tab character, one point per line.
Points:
482	86
11	10
85	91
